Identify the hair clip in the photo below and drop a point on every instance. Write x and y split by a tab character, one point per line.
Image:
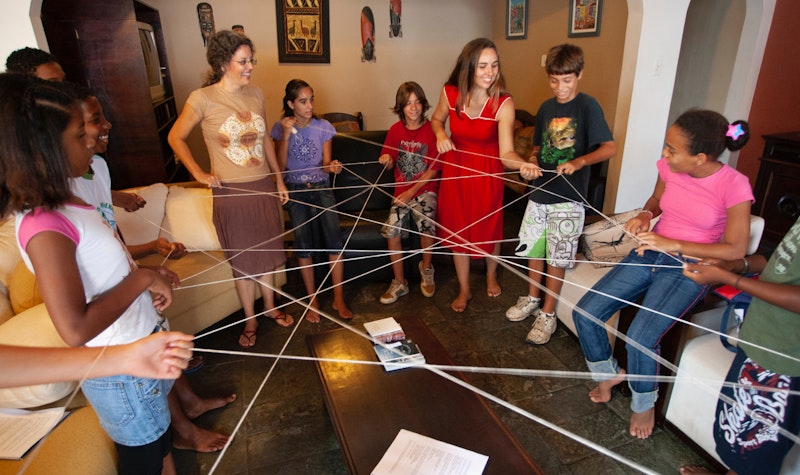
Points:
735	131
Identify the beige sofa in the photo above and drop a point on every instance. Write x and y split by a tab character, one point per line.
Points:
178	212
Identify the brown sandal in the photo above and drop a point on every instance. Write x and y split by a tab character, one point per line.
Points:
282	319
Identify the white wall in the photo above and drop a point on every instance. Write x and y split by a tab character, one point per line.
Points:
433	35
16	29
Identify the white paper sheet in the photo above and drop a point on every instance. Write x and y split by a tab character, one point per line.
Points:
20	430
412	453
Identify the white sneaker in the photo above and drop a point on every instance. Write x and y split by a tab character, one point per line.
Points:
543	328
396	290
427	286
522	309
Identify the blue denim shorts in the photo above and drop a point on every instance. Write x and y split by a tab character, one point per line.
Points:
315	223
133	411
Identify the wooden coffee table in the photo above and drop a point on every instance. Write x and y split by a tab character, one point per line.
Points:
369	406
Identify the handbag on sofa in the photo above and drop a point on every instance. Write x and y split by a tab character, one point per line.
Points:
738	301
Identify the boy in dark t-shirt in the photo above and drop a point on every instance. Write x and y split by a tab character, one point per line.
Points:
571	135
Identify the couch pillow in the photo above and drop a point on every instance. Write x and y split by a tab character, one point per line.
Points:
523	141
6	312
9	252
605	243
22	289
189	218
32	328
144	224
346	126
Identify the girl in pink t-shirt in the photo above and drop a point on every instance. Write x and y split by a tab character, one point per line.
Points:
704	207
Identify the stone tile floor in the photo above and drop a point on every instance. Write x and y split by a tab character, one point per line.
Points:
287	429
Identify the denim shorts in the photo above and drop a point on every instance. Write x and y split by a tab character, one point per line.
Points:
315	224
133	411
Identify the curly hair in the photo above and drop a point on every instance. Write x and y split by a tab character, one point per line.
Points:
403	92
221	48
464	72
34	171
26	60
708	132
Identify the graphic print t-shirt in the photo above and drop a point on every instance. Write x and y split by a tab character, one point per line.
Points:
412	152
565	132
304	164
234	129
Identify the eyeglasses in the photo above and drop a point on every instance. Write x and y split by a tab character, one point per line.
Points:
242	62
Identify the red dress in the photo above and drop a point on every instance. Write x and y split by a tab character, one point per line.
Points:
470	199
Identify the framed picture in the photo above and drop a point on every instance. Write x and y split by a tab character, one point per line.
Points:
516	19
584	17
303	31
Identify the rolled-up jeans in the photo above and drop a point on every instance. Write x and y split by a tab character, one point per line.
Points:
666	291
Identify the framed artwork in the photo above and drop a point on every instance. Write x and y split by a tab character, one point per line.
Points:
584	17
303	31
516	19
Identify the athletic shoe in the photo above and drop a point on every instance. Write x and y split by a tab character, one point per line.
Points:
522	309
396	290
427	286
543	328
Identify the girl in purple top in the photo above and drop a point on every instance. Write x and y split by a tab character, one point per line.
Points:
303	145
704	207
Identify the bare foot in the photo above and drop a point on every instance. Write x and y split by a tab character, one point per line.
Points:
695	470
642	423
492	286
198	406
344	312
602	392
282	319
312	316
459	304
200	440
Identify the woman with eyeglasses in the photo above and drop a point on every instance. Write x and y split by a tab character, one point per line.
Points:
246	181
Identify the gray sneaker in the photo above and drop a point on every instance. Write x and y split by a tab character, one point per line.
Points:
427	286
543	328
522	309
396	290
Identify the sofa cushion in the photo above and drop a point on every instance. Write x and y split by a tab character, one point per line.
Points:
523	141
6	311
143	225
9	252
188	218
32	328
23	290
605	243
359	152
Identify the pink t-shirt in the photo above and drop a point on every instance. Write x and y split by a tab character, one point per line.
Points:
695	209
103	262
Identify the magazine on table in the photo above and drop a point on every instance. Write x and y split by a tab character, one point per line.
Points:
394	350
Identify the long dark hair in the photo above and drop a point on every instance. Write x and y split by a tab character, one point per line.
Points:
291	92
220	50
464	72
708	132
34	170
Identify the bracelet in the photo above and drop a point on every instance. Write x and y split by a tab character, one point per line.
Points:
652	215
736	284
746	266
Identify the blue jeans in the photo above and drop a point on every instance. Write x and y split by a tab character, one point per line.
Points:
665	290
314	220
133	411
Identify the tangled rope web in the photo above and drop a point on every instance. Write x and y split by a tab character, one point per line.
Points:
447	239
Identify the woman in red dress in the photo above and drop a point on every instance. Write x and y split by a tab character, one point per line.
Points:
481	117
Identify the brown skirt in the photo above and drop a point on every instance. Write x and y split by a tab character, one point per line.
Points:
248	221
